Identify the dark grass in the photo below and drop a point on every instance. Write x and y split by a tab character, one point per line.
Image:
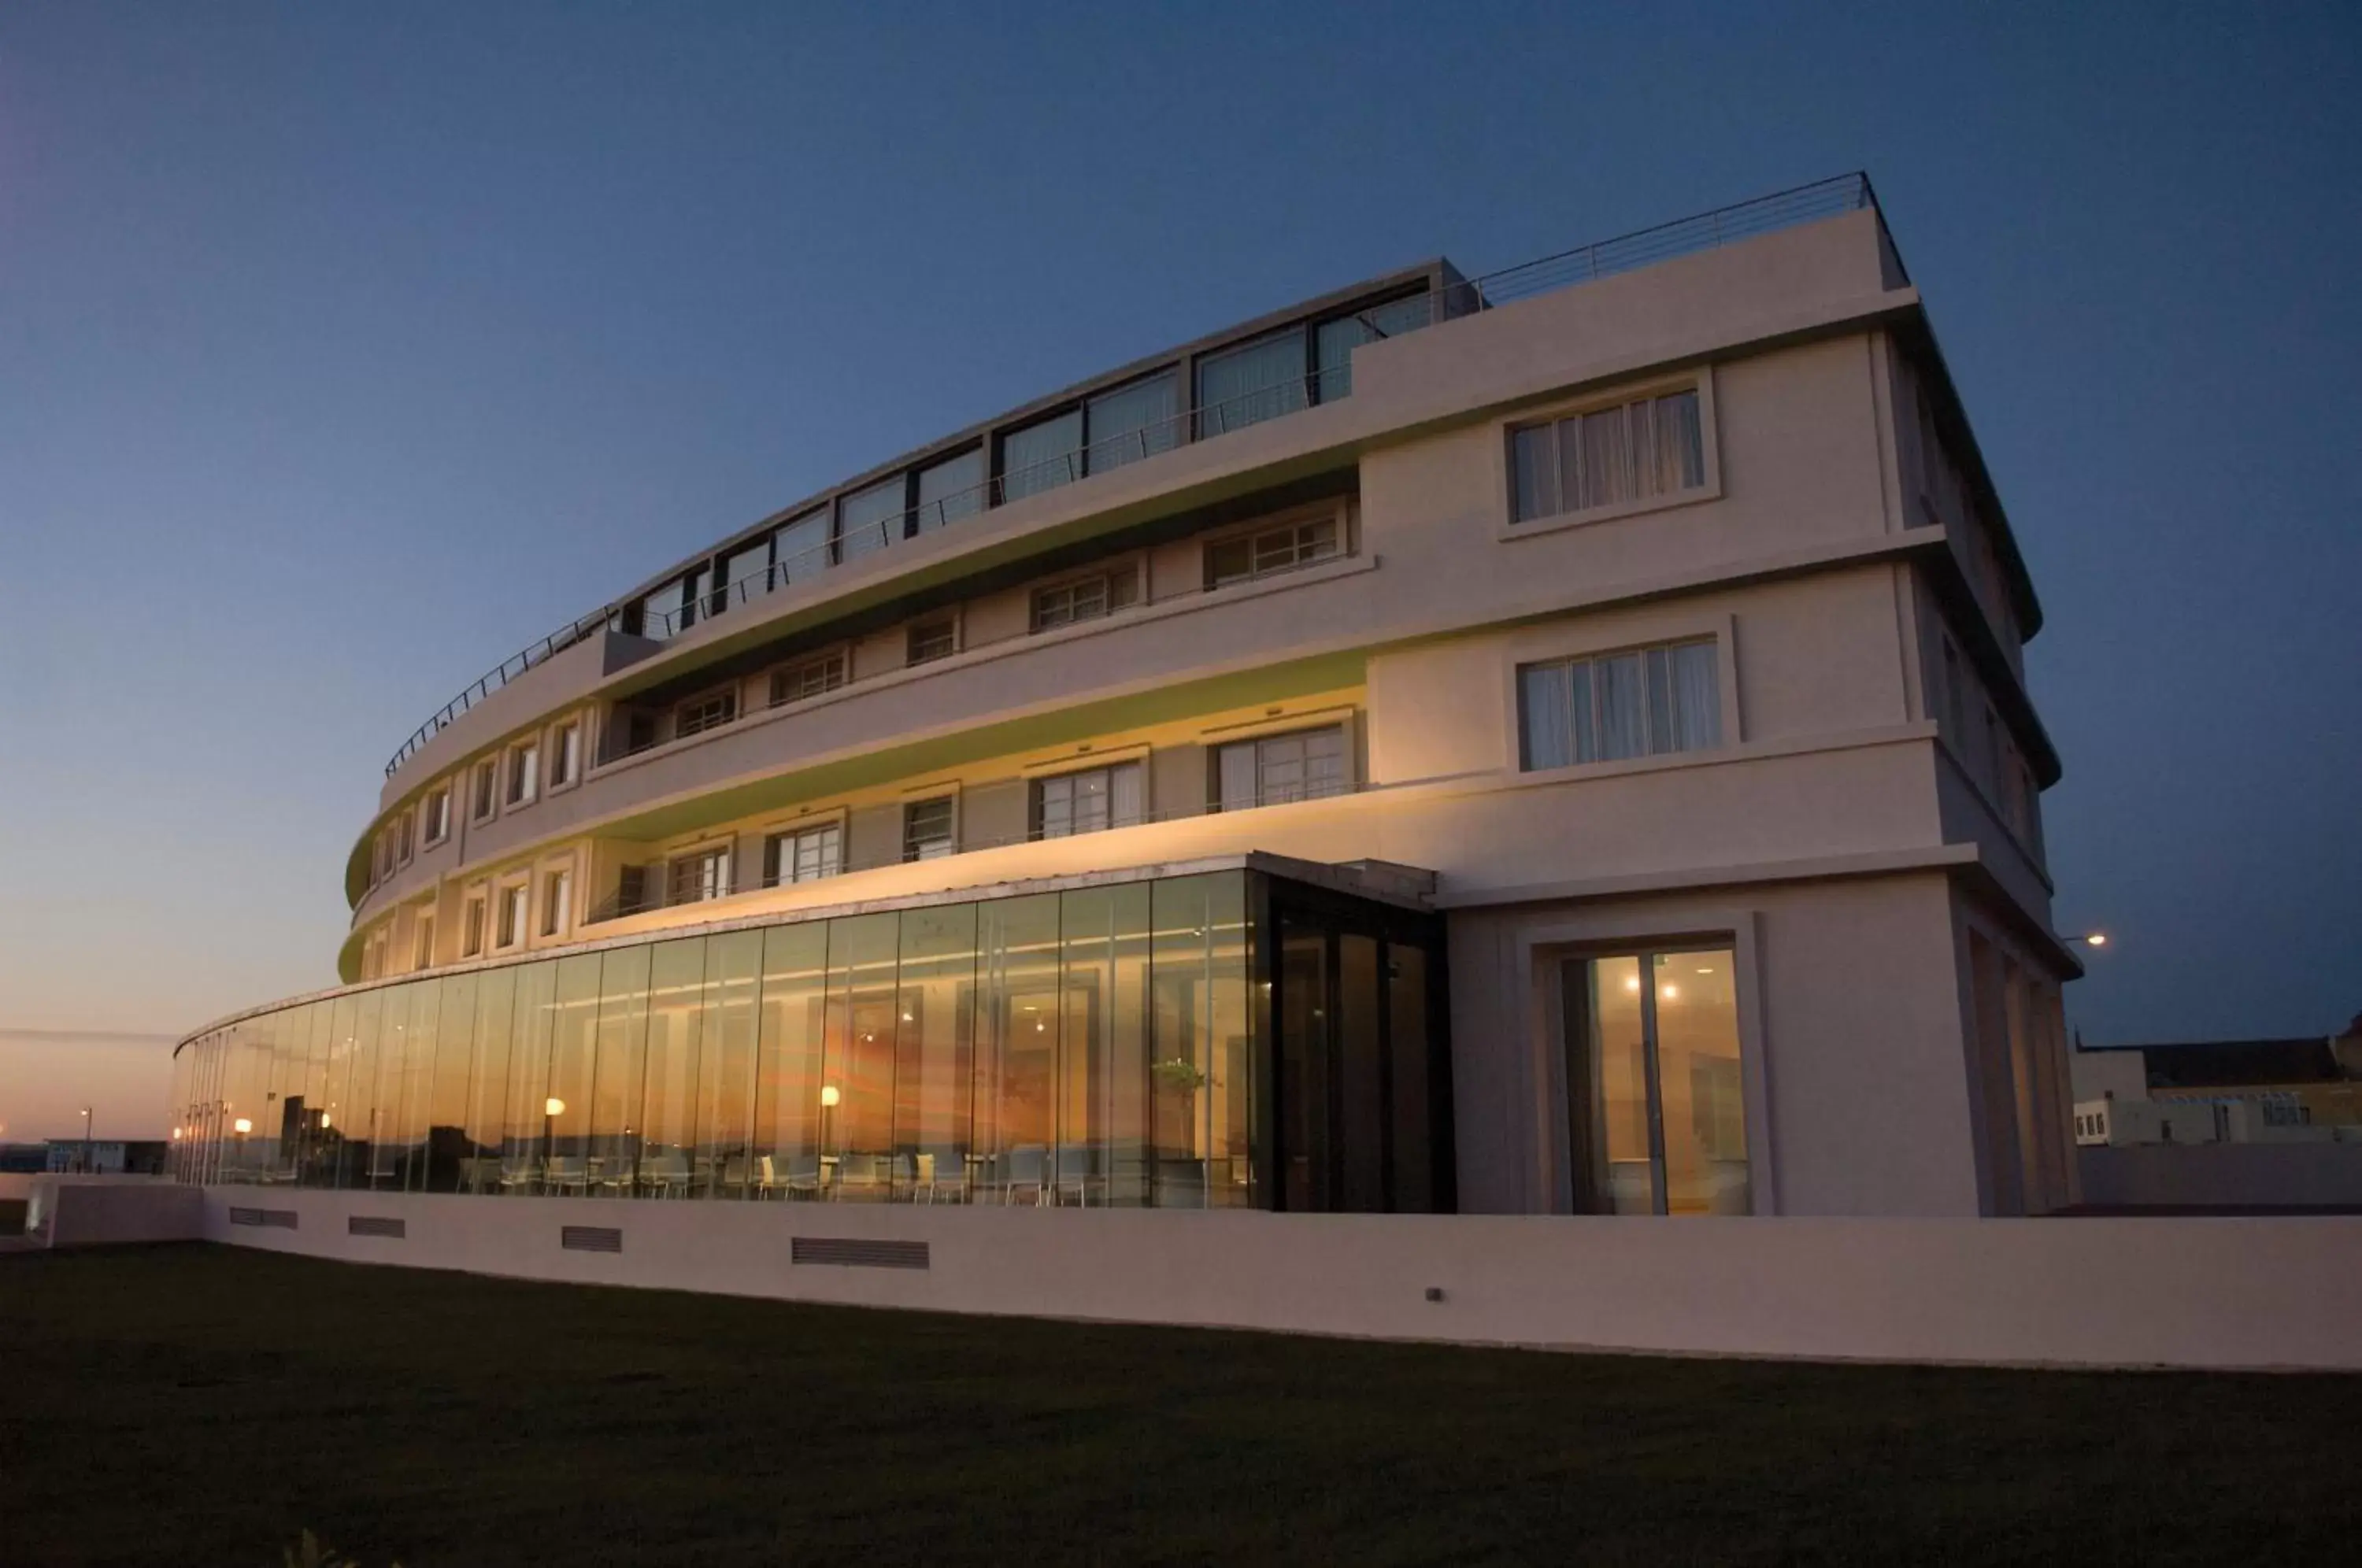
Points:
203	1405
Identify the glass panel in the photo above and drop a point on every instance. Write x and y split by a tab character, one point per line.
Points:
934	1077
1102	1066
524	1155
1661	700
1681	443
450	1157
1609	1077
1543	728
1202	1075
1621	723
726	1059
1304	1065
488	1082
1413	1111
1017	1046
401	1162
1124	808
1360	1076
1042	455
869	519
615	1081
1132	423
747	573
1237	769
660	610
1697	698
950	491
1338	339
1251	383
795	988
799	549
1698	1074
668	1121
1533	472
858	1132
573	1062
357	1114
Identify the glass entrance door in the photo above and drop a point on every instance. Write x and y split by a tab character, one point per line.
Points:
1656	1104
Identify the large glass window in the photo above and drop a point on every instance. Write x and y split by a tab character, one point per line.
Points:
1635	451
1132	423
1251	383
1088	800
934	1080
927	829
949	490
573	1062
531	1125
668	1116
1017	1050
489	1081
1656	1098
799	549
788	1088
1272	769
857	1088
1042	455
1640	702
870	519
615	1080
1336	340
725	1060
450	1156
806	854
745	573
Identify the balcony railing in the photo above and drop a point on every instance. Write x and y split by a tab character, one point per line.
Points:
1584	264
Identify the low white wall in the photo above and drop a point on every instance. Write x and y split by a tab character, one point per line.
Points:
2201	1175
2197	1293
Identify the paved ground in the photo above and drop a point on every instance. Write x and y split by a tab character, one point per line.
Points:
197	1404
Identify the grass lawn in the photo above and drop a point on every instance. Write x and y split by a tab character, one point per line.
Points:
203	1405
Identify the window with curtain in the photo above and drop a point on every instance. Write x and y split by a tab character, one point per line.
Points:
869	519
1270	770
950	491
1130	423
1085	599
800	549
1608	707
1251	383
1088	800
1336	340
1043	456
1648	447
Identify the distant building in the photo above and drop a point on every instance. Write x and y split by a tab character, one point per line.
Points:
20	1159
105	1157
2227	1092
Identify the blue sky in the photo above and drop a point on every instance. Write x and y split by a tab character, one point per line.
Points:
344	350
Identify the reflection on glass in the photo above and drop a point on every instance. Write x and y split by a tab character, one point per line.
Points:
450	1158
725	1060
933	1071
1656	1094
859	1130
1610	1077
669	1111
524	1151
1705	1110
1304	1057
615	1078
795	990
1017	1054
573	1059
489	1080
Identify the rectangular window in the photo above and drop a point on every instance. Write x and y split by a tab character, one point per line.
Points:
565	754
1955	694
804	856
809	678
404	832
927	829
383	860
937	638
710	712
524	773
799	549
1085	599
1334	341
1043	456
701	875
422	944
1130	423
1635	451
485	788
1640	702
438	816
948	491
1088	800
1304	765
1251	383
471	929
557	902
870	519
660	610
1656	1100
1247	555
745	574
514	900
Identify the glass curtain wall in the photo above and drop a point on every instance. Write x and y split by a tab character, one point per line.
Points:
1095	1047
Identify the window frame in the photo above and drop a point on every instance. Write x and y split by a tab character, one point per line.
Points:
1701	380
913	849
785	837
563	740
475	923
725	695
1036	827
1278	730
839	659
912	656
1647	718
556	891
1106	579
422	939
522	785
701	858
509	937
437	804
484	790
1338	519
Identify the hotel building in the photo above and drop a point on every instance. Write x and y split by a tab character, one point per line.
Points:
1541	744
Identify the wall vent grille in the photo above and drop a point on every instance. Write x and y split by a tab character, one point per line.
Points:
590	1238
847	1253
376	1225
281	1218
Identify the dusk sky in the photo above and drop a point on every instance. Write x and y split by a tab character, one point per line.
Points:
344	350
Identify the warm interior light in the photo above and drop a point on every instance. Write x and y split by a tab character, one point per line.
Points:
242	1125
828	1095
176	1134
553	1106
324	1122
1670	993
1631	982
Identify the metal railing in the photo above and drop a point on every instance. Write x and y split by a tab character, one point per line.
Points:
1566	269
654	894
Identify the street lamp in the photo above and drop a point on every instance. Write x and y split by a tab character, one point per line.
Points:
828	1098
86	1140
2096	939
551	1110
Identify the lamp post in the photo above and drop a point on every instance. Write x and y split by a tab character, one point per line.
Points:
828	1098
86	1140
551	1110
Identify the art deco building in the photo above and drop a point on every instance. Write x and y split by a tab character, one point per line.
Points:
1555	742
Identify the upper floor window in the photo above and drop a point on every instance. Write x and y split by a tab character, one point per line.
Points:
565	754
1608	707
524	773
927	829
1252	382
422	942
710	712
515	899
1085	599
471	929
404	831
805	854
1106	431
745	574
557	902
947	492
672	609
1260	554
870	519
701	875
438	816
382	860
1634	451
809	678
1269	771
936	638
1088	800
800	549
1334	341
484	788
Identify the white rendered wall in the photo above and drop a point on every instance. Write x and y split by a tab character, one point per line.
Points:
2194	1293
